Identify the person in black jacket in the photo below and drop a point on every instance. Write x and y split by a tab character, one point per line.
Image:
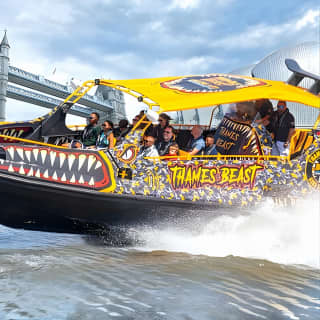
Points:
121	131
167	139
163	123
283	130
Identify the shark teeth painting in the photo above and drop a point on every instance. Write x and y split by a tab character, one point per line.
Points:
81	169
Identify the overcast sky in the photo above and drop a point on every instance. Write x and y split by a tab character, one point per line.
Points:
121	39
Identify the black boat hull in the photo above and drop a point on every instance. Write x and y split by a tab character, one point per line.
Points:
43	206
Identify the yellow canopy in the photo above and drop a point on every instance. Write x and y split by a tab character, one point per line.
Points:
190	92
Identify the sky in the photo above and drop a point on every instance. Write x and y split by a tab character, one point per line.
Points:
128	39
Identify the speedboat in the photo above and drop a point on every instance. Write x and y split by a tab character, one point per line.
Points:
46	186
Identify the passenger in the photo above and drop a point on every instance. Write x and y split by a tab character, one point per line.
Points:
122	130
283	130
263	125
172	151
245	112
167	140
197	143
74	144
135	120
91	131
148	149
141	114
265	112
210	148
106	137
163	123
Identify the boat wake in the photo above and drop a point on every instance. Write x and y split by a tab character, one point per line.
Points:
287	235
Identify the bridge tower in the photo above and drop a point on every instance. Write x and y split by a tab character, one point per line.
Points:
4	68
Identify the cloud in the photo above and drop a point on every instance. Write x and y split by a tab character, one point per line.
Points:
266	35
184	4
311	18
56	16
139	38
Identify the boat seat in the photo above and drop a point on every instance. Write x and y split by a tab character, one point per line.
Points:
183	138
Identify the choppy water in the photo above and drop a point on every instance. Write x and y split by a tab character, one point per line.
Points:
262	266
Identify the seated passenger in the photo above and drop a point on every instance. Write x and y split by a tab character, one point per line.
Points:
89	135
135	120
122	129
167	140
173	150
210	148
148	149
197	143
106	137
163	123
74	144
91	131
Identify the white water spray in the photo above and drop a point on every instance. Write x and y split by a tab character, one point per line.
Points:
283	235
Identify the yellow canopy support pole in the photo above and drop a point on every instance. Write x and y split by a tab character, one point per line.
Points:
212	112
315	126
77	94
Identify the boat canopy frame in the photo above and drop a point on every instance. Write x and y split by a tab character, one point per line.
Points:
168	94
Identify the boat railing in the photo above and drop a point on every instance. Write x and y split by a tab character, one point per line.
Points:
34	142
188	126
184	157
76	127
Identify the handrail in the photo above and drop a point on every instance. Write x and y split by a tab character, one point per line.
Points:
142	120
76	126
212	112
205	126
221	157
79	92
315	126
32	141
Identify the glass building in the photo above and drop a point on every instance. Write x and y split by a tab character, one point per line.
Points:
271	67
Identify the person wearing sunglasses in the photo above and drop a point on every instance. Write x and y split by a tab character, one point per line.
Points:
135	120
283	130
106	137
163	123
148	148
91	131
167	140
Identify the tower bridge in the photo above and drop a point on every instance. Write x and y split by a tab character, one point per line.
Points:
42	100
37	90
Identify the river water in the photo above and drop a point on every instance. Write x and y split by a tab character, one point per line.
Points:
265	265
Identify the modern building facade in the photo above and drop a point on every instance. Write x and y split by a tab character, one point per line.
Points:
273	67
